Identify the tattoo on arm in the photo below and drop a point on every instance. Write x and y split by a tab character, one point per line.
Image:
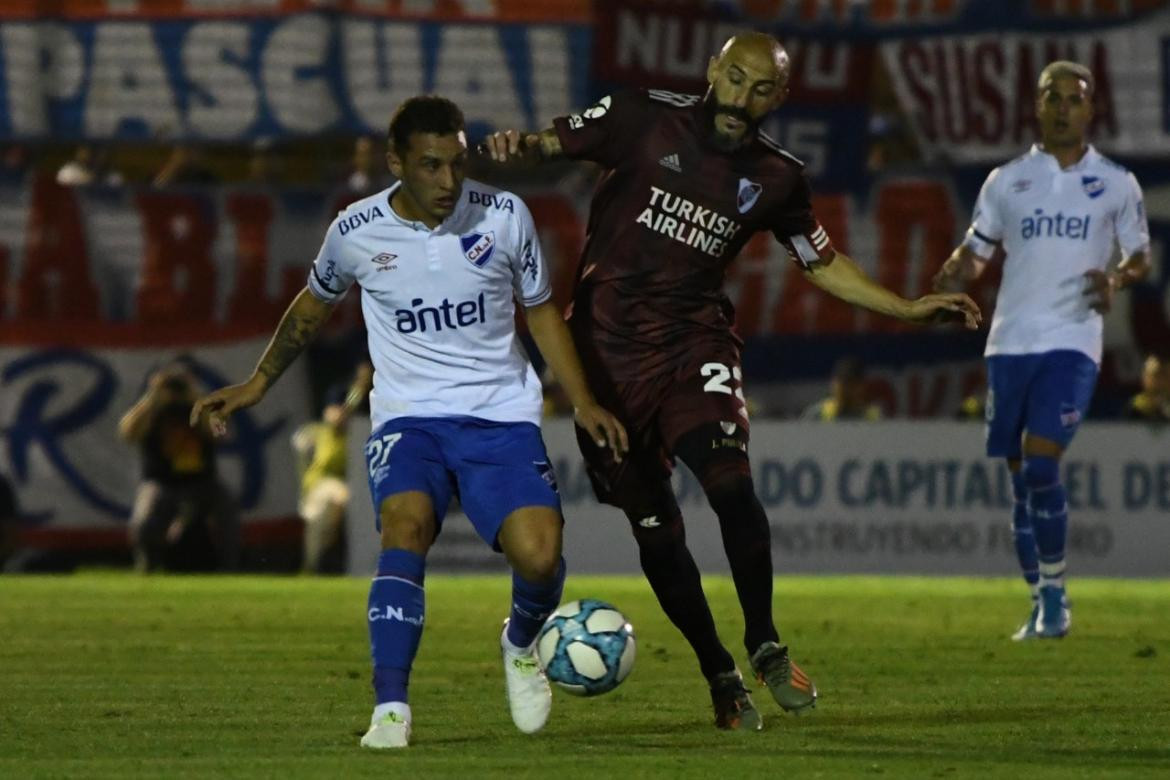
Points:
297	328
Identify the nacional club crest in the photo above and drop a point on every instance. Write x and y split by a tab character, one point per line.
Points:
1093	185
749	193
478	247
545	469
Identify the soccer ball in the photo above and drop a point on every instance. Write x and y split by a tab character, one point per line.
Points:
586	647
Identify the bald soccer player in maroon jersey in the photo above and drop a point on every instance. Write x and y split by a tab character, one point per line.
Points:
688	180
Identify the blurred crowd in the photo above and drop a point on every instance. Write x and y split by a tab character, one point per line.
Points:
355	164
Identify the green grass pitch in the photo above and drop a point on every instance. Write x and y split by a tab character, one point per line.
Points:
114	675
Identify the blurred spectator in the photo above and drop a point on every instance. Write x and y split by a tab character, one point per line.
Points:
89	165
184	518
1152	404
185	165
847	396
365	172
321	456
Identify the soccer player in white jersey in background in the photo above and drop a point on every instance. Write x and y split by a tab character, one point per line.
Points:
1057	213
456	403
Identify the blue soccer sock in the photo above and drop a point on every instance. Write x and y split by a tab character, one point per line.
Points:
1048	511
532	603
395	614
1024	536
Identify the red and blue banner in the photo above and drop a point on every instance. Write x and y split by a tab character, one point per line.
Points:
294	75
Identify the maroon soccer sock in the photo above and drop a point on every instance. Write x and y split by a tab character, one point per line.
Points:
747	540
675	580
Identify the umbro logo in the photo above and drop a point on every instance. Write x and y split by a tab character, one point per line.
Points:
385	261
671	161
649	522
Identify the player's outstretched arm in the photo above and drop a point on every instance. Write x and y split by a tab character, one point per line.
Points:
511	145
301	321
844	279
556	345
962	266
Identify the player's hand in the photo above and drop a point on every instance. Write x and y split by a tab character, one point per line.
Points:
218	406
1100	289
505	145
605	429
945	307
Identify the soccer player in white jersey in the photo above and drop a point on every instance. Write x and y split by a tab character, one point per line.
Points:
1057	213
456	403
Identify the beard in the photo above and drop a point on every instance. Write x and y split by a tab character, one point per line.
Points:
713	108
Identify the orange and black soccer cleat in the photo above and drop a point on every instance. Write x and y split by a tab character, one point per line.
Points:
790	687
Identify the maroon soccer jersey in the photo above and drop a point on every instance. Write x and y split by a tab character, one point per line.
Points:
670	213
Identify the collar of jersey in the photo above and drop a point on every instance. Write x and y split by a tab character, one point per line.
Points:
1089	157
414	224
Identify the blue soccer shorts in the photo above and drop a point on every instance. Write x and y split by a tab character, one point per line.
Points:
1045	394
494	468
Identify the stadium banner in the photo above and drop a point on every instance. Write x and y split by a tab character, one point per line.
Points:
296	75
853	498
59	412
433	10
971	99
956	78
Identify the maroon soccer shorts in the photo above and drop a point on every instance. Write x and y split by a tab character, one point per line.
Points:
656	411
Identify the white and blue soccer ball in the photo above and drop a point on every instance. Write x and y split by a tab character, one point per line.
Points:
586	647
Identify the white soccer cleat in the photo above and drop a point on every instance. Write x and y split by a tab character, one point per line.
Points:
1028	630
529	694
390	731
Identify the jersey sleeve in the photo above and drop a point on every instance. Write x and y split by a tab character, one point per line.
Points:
797	229
986	231
530	277
331	276
1133	231
602	132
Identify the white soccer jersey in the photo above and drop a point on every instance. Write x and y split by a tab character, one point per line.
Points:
1054	226
439	304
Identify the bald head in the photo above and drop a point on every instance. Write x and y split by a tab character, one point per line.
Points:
757	49
748	79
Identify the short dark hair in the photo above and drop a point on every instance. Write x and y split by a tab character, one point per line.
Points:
423	114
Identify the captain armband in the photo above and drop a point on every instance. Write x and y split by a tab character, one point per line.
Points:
810	249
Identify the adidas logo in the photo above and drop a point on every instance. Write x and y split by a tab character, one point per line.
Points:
671	161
